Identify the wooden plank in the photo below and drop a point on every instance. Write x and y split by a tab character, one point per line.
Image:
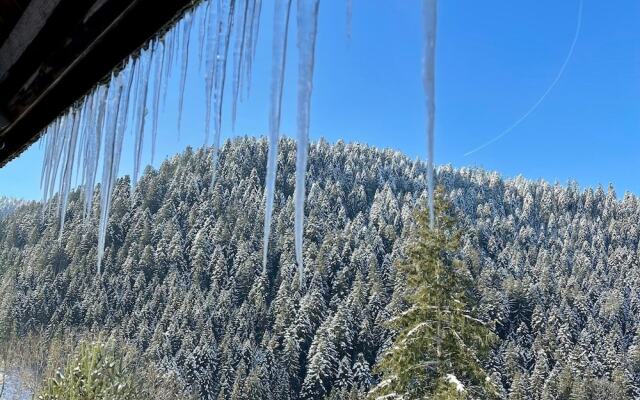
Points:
29	25
10	12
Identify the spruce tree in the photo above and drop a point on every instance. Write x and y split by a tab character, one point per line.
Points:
440	343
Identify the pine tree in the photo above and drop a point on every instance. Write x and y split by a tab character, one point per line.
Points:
440	343
361	373
322	365
344	376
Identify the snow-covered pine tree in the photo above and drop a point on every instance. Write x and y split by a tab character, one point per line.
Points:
322	364
441	342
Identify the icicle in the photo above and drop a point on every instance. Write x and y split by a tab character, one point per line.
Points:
94	144
140	115
280	33
46	138
51	158
88	115
85	139
220	77
155	111
136	83
123	114
115	128
186	35
86	112
169	44
430	28
50	137
238	57
67	172
115	90
307	29
251	42
203	32
209	78
58	151
246	35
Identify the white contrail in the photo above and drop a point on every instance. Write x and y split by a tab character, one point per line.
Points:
549	89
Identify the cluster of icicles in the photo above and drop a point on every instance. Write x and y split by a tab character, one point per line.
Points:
227	30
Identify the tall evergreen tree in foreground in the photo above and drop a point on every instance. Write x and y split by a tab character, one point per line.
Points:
440	343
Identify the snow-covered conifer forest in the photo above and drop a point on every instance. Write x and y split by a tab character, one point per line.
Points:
183	281
8	205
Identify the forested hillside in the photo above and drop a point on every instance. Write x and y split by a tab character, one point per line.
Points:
554	266
8	204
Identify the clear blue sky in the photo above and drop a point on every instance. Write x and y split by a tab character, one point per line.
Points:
495	59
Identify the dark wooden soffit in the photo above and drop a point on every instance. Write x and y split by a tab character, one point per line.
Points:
52	52
10	12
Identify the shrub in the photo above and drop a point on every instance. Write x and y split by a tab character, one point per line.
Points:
96	371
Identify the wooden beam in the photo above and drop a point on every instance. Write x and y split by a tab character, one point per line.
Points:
10	12
25	31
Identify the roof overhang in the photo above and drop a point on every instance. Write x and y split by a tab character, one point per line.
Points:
52	52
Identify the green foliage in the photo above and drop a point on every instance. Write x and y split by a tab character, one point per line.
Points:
440	339
97	371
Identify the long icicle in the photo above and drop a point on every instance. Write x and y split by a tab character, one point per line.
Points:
139	81
221	74
59	143
238	58
159	55
92	156
170	39
47	165
115	94
140	116
307	30
251	43
280	33
203	32
186	36
253	9
113	149
210	69
429	66
67	172
87	113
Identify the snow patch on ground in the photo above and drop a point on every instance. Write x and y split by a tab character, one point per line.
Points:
452	379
